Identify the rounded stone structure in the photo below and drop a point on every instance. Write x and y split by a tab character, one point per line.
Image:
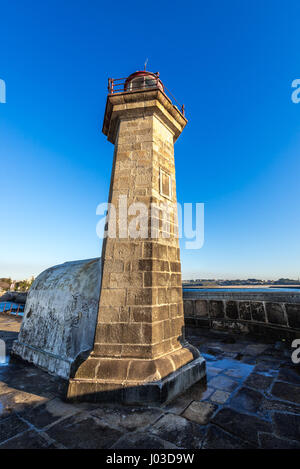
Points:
60	316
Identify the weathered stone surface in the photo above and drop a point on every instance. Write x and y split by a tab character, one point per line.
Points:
247	400
220	397
244	426
231	310
216	438
201	308
275	313
60	316
287	426
199	391
258	312
189	308
142	441
223	382
256	349
240	371
84	432
281	322
291	374
212	371
245	310
18	401
275	424
128	418
258	381
293	314
270	441
216	309
281	406
179	431
46	414
28	440
154	392
286	391
11	426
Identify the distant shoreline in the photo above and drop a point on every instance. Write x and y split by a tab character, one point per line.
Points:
207	287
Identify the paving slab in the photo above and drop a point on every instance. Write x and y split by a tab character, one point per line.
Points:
241	425
223	383
287	425
270	441
178	405
286	391
239	372
270	405
84	432
128	418
220	397
216	438
258	381
49	412
290	374
28	440
200	412
18	401
246	400
249	399
142	441
11	426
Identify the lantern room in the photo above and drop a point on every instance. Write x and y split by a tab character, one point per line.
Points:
142	79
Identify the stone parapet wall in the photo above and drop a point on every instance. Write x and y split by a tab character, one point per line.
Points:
276	314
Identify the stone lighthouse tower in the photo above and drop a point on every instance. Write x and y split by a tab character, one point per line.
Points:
140	354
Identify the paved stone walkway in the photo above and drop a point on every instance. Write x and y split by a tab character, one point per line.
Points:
251	399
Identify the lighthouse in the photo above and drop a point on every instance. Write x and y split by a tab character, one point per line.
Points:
140	354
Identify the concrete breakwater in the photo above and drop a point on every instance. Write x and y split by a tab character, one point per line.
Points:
276	314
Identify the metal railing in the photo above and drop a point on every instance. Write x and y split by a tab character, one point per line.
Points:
122	85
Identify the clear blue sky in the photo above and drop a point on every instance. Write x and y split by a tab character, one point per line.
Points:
231	62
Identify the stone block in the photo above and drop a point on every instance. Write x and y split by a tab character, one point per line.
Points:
216	309
276	314
140	296
113	265
287	425
245	426
179	431
87	369
201	308
286	391
258	311
110	368
293	314
231	310
115	297
189	308
199	412
175	266
245	310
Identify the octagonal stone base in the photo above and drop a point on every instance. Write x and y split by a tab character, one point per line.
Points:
138	391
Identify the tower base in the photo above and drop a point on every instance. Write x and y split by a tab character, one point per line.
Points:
140	391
